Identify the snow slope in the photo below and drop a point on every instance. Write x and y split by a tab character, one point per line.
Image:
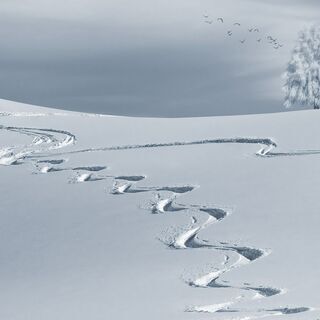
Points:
135	218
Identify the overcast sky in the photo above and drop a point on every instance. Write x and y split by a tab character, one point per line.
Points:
149	57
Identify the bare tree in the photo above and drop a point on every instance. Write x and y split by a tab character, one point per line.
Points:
302	77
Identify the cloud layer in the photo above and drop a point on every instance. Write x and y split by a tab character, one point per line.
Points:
150	58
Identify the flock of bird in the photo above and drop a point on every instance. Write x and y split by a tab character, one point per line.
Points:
254	30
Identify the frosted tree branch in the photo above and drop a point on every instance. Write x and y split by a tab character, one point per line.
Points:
302	76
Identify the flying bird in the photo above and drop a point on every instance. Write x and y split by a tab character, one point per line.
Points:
256	30
258	40
220	19
277	45
237	24
243	41
250	30
271	38
229	33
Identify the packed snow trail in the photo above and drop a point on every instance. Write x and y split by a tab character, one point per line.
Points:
45	143
44	140
42	135
189	239
268	145
267	149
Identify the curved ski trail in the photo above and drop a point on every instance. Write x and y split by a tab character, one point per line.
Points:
45	141
189	239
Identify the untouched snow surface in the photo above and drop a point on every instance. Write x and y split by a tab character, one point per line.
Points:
129	218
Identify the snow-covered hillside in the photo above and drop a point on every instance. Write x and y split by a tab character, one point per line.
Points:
134	218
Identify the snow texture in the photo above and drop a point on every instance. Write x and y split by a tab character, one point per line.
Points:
215	217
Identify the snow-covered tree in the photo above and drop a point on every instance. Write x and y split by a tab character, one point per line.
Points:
302	77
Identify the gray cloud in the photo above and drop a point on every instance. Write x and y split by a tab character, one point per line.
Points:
147	59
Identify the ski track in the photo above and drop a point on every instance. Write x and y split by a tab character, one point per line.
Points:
254	314
85	177
267	149
54	161
45	141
